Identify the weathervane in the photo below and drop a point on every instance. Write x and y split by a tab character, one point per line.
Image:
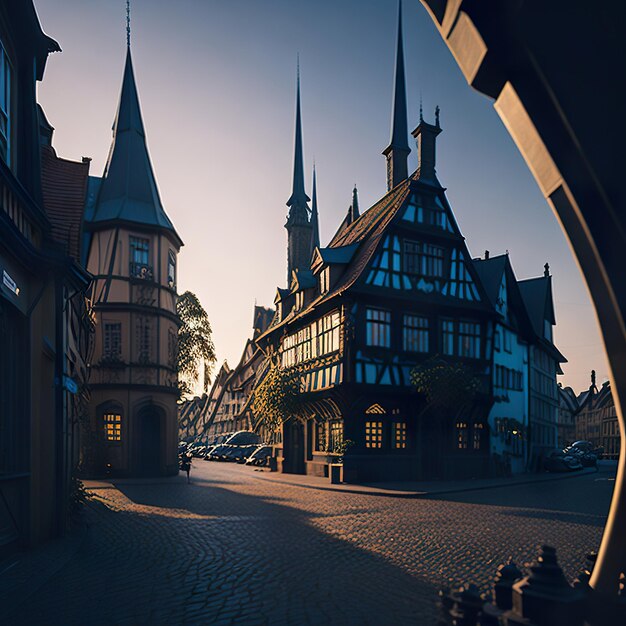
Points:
128	23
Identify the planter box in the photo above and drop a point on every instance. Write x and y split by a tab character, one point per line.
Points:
335	473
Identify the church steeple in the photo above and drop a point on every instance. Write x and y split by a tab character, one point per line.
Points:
299	227
297	202
315	224
397	152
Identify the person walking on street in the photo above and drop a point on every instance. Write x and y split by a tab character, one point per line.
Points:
185	464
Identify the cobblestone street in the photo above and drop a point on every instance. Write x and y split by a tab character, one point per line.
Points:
232	548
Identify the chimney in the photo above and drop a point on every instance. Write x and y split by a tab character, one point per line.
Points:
486	255
425	136
546	270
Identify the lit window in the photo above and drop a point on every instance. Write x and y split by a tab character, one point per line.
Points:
462	436
112	348
5	106
335	435
378	328
399	435
476	440
373	434
320	437
113	427
415	333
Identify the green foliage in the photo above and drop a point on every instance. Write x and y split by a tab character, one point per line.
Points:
278	397
444	385
195	345
341	447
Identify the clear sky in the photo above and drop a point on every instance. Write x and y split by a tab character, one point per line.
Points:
216	80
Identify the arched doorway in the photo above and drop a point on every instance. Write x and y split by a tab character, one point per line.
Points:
149	441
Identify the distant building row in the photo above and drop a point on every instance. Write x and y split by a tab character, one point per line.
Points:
590	416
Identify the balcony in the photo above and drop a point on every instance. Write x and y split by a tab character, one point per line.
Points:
141	271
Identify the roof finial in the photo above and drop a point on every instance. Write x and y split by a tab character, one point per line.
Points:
437	117
128	23
546	270
421	109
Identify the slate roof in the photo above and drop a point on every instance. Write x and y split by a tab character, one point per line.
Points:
128	191
537	295
64	188
365	234
490	273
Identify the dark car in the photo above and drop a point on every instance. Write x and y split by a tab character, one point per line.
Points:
260	455
558	461
243	438
216	452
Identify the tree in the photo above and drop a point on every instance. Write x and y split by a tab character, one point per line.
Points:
195	345
452	387
278	396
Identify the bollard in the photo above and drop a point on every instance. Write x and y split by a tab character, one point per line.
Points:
545	597
506	576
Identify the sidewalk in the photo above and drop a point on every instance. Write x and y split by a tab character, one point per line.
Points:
422	489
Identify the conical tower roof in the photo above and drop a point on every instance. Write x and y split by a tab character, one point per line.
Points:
128	191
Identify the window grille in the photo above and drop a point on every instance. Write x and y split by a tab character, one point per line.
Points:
415	333
378	328
113	427
373	434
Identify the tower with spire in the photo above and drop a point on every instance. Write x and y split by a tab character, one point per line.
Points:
397	152
131	249
299	227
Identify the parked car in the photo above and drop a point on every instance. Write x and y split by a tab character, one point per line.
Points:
216	452
558	461
243	437
260	455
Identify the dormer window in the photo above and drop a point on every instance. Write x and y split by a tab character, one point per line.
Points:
325	280
299	300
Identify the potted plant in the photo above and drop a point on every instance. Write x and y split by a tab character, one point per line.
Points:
335	468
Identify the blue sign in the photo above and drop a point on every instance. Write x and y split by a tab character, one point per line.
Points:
70	385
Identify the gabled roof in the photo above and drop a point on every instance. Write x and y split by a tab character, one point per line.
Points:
568	398
334	256
128	191
302	279
490	272
537	295
64	188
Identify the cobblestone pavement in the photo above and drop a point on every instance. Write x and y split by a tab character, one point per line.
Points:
231	548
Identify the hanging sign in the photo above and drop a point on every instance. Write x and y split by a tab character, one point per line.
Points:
9	283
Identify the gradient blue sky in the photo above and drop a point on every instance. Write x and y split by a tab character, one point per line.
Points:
216	80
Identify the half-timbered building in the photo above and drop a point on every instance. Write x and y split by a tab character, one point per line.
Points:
394	289
131	250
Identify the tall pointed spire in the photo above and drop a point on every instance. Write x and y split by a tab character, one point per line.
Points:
315	224
298	198
354	207
128	23
397	151
128	190
299	227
